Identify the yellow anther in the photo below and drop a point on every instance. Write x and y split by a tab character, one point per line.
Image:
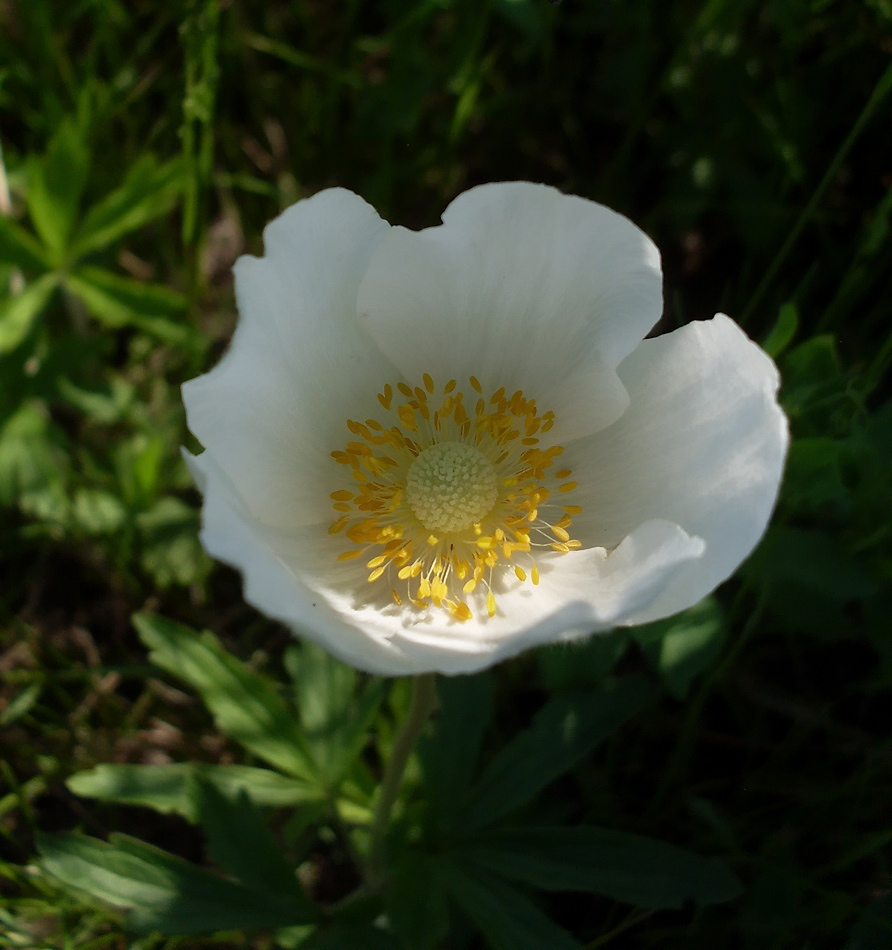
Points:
396	532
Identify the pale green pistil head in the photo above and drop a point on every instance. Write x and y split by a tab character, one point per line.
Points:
451	486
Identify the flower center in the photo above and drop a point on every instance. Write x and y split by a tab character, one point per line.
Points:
450	486
446	497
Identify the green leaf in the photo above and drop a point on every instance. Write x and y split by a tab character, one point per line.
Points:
813	481
119	301
18	313
507	918
32	462
244	704
18	247
449	756
20	704
335	721
168	789
683	646
563	732
581	664
631	868
416	901
817	561
239	841
149	191
98	512
161	891
783	331
56	182
169	547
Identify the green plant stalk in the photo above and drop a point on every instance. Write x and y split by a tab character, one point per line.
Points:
424	702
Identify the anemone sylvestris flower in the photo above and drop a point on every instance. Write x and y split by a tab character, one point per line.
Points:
429	450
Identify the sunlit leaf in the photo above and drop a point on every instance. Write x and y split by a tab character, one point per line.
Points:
169	547
149	191
334	714
120	301
31	457
56	182
18	247
168	788
680	647
161	891
245	705
18	313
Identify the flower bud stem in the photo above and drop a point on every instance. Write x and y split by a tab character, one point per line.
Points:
423	704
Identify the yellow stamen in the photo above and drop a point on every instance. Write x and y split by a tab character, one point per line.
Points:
477	497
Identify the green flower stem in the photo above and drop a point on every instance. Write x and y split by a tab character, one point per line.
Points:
424	702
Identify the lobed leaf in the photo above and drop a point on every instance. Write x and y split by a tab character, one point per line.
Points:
244	704
239	841
119	301
626	867
335	719
682	646
416	901
56	182
170	788
149	191
449	756
19	313
563	732
160	891
508	919
19	248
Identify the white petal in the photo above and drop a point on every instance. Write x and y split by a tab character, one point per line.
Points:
578	594
702	444
521	286
276	405
232	535
293	577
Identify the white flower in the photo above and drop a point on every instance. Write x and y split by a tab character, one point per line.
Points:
428	451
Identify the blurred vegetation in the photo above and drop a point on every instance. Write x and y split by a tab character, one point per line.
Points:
145	146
